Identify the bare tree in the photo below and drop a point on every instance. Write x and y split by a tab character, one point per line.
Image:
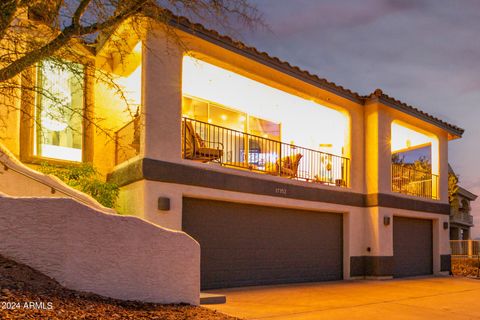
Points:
34	30
70	20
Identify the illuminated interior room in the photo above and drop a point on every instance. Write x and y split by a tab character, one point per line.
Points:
59	113
220	99
415	162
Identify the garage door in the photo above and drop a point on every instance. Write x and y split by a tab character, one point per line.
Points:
244	245
412	247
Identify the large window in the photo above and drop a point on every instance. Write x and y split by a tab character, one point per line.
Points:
253	150
198	109
59	111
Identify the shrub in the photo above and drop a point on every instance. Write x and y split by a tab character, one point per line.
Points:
85	177
466	266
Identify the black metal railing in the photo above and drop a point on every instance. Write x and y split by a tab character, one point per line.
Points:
206	142
414	182
127	141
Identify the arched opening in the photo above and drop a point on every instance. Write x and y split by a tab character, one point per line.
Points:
260	126
415	161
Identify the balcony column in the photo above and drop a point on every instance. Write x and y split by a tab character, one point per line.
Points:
162	97
378	159
442	167
160	129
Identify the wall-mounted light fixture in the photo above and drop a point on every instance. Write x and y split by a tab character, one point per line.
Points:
445	225
386	220
163	203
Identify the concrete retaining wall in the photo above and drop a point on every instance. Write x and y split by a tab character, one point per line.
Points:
16	179
88	250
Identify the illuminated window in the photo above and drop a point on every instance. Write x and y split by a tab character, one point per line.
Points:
256	149
215	114
59	111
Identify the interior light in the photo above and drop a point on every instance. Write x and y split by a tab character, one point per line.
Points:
224	117
265	135
242	118
209	120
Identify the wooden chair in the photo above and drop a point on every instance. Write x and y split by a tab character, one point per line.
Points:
288	166
195	148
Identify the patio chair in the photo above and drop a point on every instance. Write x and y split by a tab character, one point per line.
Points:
195	148
288	166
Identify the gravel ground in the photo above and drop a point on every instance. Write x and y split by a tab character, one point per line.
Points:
27	294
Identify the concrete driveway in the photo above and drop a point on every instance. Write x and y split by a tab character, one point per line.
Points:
415	298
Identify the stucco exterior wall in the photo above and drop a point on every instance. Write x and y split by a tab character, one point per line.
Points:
378	124
87	250
353	216
363	227
10	119
162	96
364	231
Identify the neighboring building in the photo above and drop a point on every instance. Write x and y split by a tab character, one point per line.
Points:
280	175
461	219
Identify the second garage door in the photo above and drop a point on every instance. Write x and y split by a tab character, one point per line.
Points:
412	247
245	245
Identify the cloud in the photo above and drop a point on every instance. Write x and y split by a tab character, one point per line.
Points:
291	17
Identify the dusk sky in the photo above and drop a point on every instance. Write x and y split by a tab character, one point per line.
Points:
424	52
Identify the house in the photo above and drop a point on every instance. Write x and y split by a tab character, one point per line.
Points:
280	175
461	219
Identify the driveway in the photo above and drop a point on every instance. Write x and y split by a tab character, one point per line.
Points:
414	298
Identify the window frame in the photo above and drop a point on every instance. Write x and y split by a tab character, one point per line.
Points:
28	125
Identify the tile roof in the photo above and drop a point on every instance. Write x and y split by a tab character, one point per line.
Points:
211	35
402	106
214	36
464	192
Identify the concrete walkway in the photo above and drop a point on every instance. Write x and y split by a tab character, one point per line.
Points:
417	298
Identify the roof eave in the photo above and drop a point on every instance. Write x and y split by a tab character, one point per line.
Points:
263	58
467	194
453	131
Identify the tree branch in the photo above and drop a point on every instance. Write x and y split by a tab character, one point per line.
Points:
79	12
7	13
64	37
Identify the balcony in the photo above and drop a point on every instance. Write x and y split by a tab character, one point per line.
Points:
463	218
408	180
206	142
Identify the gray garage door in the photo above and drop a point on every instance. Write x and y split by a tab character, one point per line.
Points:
412	247
244	245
